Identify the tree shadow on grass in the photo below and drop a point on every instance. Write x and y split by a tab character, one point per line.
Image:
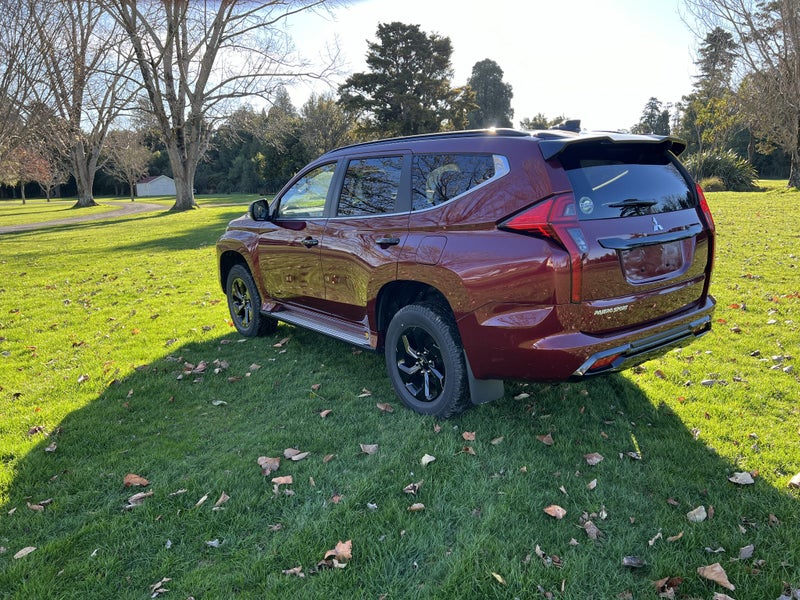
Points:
195	422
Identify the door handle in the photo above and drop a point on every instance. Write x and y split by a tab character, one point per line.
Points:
309	242
387	241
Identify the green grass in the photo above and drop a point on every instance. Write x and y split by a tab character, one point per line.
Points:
131	302
13	212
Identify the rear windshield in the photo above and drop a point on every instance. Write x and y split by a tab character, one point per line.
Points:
612	181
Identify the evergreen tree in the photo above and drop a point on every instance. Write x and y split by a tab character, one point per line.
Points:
492	95
407	89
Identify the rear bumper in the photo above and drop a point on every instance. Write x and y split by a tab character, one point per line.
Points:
535	346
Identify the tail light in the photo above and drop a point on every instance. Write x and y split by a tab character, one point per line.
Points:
555	219
704	207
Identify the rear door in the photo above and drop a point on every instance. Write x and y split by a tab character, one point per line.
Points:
648	248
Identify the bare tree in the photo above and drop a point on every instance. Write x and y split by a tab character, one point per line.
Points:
768	37
198	59
16	68
128	157
86	78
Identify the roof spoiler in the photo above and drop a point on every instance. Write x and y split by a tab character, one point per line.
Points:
553	147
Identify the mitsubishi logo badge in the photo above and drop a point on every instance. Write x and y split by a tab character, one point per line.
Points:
657	226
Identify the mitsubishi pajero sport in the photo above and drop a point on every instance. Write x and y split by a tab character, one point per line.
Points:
472	257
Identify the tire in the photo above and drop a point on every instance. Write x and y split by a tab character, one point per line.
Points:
244	304
425	361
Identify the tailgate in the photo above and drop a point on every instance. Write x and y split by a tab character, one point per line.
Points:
647	247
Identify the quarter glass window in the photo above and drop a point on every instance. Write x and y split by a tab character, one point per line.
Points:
437	178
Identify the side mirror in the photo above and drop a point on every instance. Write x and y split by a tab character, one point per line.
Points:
259	210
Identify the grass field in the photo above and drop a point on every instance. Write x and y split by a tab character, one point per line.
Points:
117	358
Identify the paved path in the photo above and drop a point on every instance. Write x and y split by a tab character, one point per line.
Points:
123	209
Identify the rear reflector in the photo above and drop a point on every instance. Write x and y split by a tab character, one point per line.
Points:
555	219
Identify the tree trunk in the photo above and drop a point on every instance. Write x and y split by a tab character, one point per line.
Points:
131	184
84	170
22	191
183	169
794	170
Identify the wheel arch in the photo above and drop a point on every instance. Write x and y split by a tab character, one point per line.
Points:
399	293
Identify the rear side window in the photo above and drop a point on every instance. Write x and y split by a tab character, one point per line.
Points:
437	178
370	186
612	181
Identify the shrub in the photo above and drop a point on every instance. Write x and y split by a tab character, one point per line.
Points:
735	172
712	184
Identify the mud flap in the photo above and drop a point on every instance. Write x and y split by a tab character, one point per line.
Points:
483	390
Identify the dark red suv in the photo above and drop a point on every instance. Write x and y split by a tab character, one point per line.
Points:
477	256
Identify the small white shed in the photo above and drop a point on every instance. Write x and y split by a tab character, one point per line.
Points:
156	185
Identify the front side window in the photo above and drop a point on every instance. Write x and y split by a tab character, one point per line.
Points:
370	186
306	198
437	178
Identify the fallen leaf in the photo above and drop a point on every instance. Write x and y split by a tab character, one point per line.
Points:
35	507
369	448
218	403
294	571
215	543
718	596
268	464
468	450
794	482
592	484
325	412
469	436
675	538
83	378
417	507
158	587
697	515
716	574
555	511
24	552
365	393
284	480
413	488
282	343
315	387
591	530
633	562
499	578
426	460
328	458
342	552
385	407
653	540
137	500
546	439
201	501
497	440
746	552
743	478
593	458
131	480
222	500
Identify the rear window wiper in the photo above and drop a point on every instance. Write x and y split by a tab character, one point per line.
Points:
633	203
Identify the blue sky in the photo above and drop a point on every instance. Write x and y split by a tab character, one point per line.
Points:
597	60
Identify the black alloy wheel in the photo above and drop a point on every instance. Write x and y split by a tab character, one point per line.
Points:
244	304
425	361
